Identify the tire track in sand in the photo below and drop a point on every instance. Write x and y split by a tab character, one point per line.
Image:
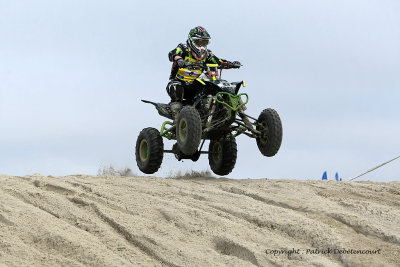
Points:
124	233
371	231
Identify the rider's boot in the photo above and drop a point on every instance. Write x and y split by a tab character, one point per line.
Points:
175	108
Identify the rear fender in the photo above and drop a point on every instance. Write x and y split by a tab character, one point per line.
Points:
163	109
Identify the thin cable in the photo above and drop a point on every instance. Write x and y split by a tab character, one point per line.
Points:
374	168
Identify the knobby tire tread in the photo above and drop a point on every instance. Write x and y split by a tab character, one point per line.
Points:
275	132
156	150
194	134
229	156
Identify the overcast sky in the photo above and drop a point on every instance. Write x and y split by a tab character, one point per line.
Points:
72	74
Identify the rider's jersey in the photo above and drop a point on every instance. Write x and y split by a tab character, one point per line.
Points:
184	74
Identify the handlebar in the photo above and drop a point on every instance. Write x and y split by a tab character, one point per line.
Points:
224	65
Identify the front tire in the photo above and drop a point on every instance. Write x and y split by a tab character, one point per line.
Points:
149	150
270	126
222	156
188	130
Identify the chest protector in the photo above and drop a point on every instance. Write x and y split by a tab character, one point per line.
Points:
187	75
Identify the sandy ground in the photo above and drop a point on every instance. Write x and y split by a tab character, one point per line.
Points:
140	221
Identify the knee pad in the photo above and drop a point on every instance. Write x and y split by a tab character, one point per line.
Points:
175	91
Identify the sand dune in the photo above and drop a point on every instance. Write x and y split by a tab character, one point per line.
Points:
140	221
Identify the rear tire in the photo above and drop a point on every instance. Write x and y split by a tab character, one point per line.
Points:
188	130
222	156
149	150
271	129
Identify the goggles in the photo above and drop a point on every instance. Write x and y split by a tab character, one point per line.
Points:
201	42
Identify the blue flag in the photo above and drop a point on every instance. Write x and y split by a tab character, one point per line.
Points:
337	176
324	176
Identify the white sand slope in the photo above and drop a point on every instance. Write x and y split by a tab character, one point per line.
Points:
140	221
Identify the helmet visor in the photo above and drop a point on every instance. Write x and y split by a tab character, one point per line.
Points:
201	42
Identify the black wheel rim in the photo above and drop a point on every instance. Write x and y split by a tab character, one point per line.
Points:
217	152
264	133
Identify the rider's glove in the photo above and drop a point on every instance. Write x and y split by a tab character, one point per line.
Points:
236	64
181	63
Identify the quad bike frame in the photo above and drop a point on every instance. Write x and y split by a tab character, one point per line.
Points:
217	114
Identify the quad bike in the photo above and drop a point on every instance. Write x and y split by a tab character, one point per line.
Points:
216	113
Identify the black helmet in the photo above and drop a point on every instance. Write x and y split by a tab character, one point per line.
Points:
197	41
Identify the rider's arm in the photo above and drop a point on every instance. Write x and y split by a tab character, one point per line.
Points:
225	63
211	58
176	53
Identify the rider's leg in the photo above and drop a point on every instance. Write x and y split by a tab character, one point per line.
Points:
175	91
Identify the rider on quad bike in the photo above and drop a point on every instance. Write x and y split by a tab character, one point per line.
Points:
205	107
181	83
